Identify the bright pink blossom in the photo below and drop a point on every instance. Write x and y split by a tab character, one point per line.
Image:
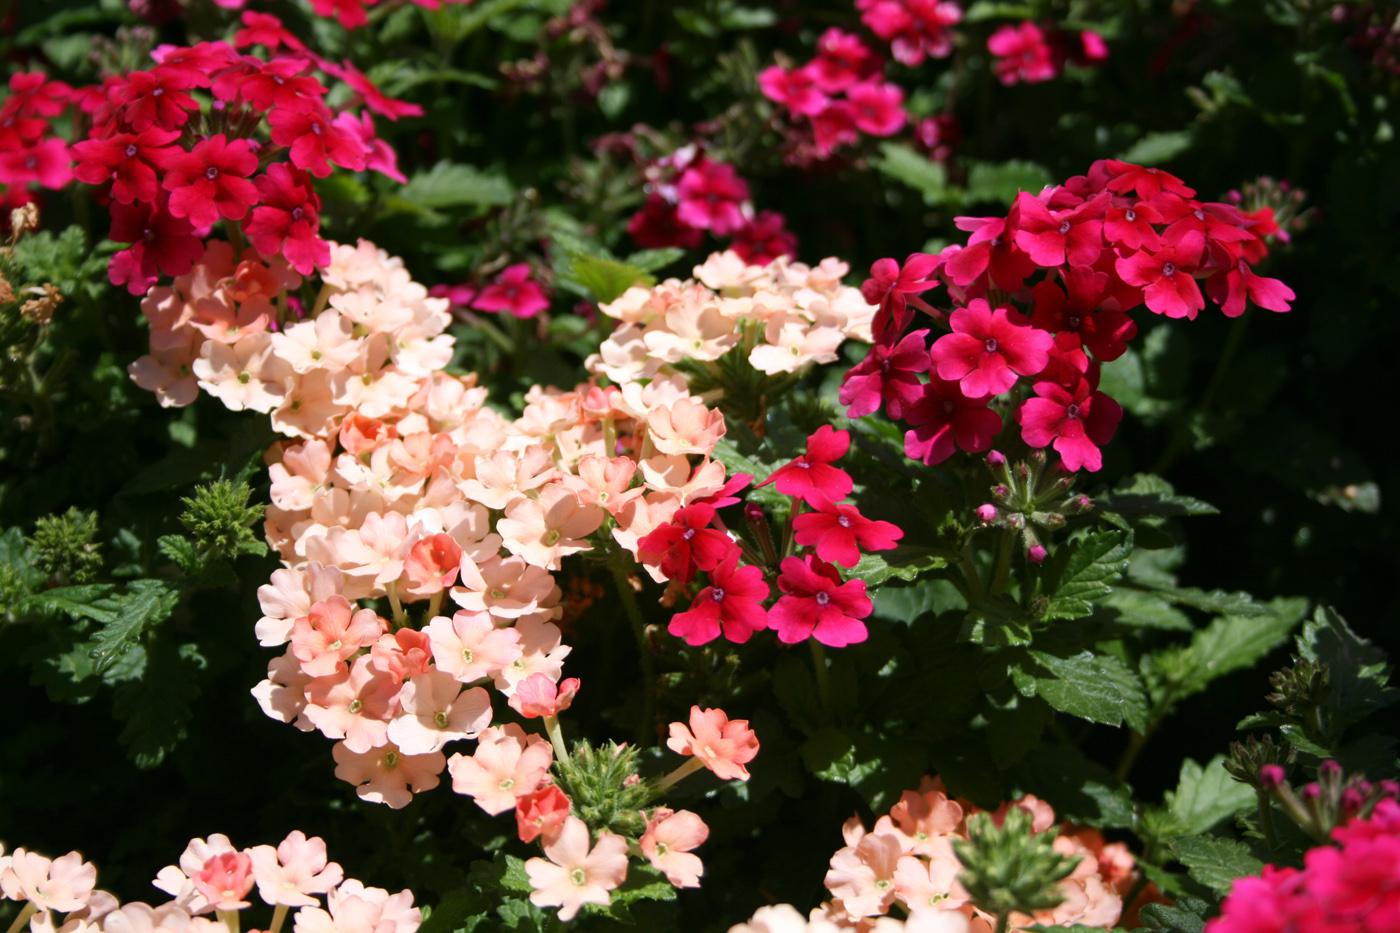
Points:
514	292
732	604
944	421
989	348
1052	237
160	244
1167	277
1078	421
287	221
1022	54
794	88
811	476
211	181
712	197
686	544
915	29
225	880
764	239
887	376
128	160
877	107
839	533
816	604
890	286
316	141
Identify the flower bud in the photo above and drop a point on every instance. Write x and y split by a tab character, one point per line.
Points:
1036	554
986	513
1271	776
996	459
1000	492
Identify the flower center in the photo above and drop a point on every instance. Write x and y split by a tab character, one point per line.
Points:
467	655
687	534
823	598
335	645
1130	215
131	151
551	538
844	521
1064	227
1071	410
802	462
243	380
1073	321
1200	214
991	345
506	783
390	761
662	848
498	593
158	92
440	719
717	594
1169	268
355	705
296	213
211	173
316	128
579	877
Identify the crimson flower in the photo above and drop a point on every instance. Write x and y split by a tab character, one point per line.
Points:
657	225
264	85
193	65
128	160
796	89
1022	54
890	286
833	128
266	30
211	181
685	544
1167	277
732	605
989	348
842	60
877	107
991	249
915	29
1050	238
1078	421
889	376
513	291
47	163
944	421
315	140
1147	182
349	13
1230	288
160	244
369	92
287	221
711	197
811	476
1104	332
816	604
154	98
1131	226
839	533
764	239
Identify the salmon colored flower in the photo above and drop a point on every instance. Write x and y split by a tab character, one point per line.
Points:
721	744
668	842
541	814
505	766
573	874
225	880
294	872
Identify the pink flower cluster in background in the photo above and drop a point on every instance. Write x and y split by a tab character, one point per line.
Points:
212	877
1041	297
1352	885
1025	53
690	195
905	867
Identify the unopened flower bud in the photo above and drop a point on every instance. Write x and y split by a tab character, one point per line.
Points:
1390	789
1271	776
1000	492
1312	791
1329	769
996	459
986	513
1036	554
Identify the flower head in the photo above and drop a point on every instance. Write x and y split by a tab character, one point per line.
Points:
722	744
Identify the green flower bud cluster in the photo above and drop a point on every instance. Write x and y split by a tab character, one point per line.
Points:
64	548
1008	868
220	519
604	788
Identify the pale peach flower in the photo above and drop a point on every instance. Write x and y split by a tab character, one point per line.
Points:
243	375
303	469
542	651
668	842
506	765
507	588
355	908
331	632
353	705
692	331
932	883
64	884
604	482
308	408
436	710
504	477
169	374
294	871
282	695
544	530
863	877
386	775
573	874
793	344
142	918
722	744
685	427
469	646
178	880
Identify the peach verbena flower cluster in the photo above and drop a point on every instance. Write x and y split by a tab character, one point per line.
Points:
212	877
782	316
905	867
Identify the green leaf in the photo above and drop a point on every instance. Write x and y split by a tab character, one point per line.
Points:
602	278
78	602
1081	573
448	184
905	165
1078	787
179	550
1187	915
1205	796
999	182
1358	671
651	260
1157	148
1227	644
1147	496
1142	610
905	563
1215	861
1099	688
1217	601
145	603
156	709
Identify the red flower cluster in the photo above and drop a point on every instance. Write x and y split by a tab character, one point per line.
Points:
691	194
1027	53
171	168
1352	886
30	152
1117	237
814	602
915	29
839	93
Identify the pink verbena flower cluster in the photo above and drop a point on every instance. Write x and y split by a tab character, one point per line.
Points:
814	601
838	94
234	327
212	877
905	867
351	14
31	152
915	29
213	134
513	291
1026	53
690	194
1351	886
784	316
1041	298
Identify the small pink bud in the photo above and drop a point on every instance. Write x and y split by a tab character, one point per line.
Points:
1271	776
995	459
1390	789
1000	492
1036	554
986	513
1329	769
1312	791
1352	800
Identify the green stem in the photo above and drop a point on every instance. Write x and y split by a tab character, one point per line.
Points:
400	617
970	572
556	737
1136	743
279	914
680	774
434	607
229	918
823	675
1002	568
639	633
27	911
1266	820
1002	922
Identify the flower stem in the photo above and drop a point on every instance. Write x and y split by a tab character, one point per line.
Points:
434	606
680	774
639	633
1003	921
823	676
400	617
556	737
25	912
1002	568
1266	820
1136	742
279	914
229	918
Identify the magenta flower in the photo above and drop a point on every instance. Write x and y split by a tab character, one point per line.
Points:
764	239
890	286
1146	182
658	225
915	29
1103	331
842	60
1078	421
732	604
1131	227
160	244
989	348
877	107
513	291
812	476
686	544
888	376
1167	277
128	160
1230	288
944	421
1052	237
315	140
796	89
839	533
816	604
287	222
211	181
991	249
711	197
1022	54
